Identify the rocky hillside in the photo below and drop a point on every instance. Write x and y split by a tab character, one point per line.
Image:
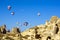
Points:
48	31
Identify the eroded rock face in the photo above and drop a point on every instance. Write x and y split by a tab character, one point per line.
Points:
53	19
48	31
15	30
3	29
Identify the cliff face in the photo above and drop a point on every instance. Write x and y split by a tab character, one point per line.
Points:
48	31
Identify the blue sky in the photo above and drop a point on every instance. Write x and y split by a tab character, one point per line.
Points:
26	10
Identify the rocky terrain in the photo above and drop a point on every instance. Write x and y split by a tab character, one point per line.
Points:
48	31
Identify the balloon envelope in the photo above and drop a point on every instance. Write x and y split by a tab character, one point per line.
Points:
25	24
17	22
12	13
9	7
38	14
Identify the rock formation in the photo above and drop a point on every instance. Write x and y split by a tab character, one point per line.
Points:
48	31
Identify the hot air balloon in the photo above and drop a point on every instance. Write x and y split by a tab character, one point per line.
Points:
25	24
12	13
9	7
38	14
17	23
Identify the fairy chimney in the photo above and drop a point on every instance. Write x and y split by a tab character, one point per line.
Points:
15	30
3	29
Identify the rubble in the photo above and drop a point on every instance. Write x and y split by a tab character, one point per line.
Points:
48	31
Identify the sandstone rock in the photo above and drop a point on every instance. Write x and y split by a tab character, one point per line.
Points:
48	31
53	19
15	30
3	29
